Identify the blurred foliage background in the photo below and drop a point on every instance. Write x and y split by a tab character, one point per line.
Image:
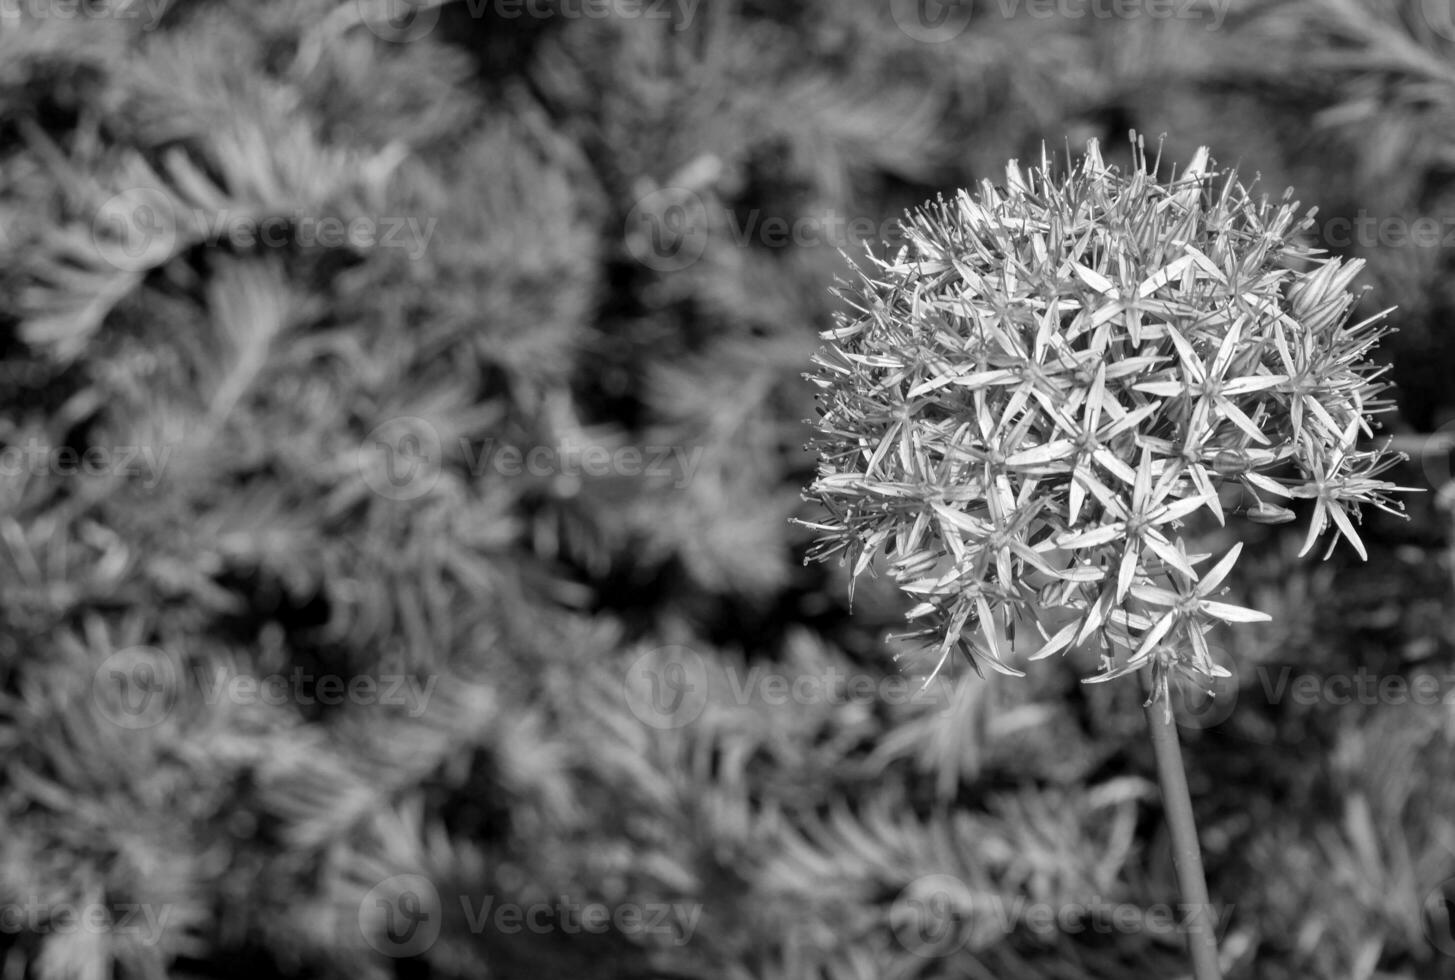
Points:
620	232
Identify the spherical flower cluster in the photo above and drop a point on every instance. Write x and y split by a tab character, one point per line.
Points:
1031	399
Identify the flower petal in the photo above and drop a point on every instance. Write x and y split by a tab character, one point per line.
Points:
1126	571
1102	534
1060	641
1218	572
1336	511
1229	613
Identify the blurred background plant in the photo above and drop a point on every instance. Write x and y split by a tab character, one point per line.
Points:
294	274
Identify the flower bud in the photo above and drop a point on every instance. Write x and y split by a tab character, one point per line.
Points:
1231	462
1266	513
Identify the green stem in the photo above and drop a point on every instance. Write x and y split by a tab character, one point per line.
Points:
1202	941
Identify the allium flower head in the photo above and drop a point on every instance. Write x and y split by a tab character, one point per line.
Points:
1030	400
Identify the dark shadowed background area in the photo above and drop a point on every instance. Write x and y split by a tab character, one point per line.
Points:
401	417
